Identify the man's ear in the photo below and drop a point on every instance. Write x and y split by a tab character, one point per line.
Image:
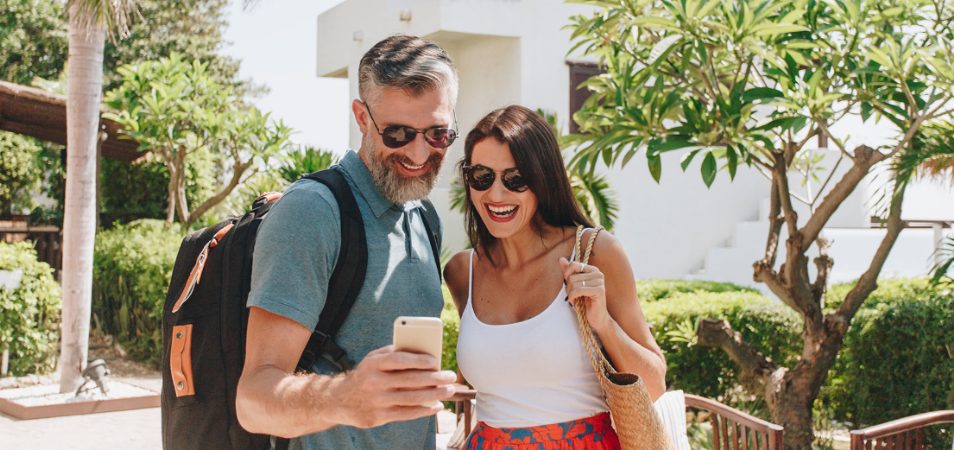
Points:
360	115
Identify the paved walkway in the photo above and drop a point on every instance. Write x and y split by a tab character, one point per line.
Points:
136	429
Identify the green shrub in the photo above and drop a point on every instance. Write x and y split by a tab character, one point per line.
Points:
132	191
898	357
451	329
19	172
658	289
767	324
29	314
131	273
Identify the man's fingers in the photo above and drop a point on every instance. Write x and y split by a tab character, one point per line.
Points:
415	379
399	413
418	397
407	361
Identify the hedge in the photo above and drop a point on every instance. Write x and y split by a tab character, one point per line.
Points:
766	324
658	289
898	357
29	314
131	269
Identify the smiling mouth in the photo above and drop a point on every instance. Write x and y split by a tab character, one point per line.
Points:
412	167
502	212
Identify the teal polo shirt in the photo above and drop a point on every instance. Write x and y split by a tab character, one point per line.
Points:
295	253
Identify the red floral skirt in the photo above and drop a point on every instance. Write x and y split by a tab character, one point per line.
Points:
591	433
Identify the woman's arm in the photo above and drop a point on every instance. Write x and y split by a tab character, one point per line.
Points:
457	277
614	313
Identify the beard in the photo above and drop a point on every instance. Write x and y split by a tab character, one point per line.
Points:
396	187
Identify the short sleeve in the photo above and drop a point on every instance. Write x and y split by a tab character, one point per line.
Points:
295	253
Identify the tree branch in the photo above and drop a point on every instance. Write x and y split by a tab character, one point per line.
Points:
865	157
831	137
823	264
869	280
755	368
219	196
775	227
780	179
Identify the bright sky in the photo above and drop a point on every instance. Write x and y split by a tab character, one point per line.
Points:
276	42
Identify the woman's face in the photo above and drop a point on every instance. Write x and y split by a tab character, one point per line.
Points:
504	212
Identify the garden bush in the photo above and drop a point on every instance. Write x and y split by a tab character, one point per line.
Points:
766	324
451	329
898	358
29	314
131	271
19	172
657	289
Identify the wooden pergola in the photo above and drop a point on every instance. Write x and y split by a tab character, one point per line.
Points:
40	114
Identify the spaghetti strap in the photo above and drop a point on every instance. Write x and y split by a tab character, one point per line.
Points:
470	278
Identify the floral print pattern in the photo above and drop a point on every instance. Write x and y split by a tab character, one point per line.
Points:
591	433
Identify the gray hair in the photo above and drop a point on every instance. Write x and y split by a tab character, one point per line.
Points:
410	63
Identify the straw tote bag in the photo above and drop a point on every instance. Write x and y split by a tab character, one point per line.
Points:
635	420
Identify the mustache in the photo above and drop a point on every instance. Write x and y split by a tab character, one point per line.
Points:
434	160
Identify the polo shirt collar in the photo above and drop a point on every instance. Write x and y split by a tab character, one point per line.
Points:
360	176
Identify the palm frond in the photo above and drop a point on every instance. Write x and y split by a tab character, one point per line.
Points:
594	194
114	15
941	272
304	160
931	154
458	198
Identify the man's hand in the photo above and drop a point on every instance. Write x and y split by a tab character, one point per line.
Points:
389	386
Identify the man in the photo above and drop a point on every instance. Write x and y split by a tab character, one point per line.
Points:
408	88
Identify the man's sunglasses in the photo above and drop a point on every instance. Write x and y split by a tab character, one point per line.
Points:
481	178
397	136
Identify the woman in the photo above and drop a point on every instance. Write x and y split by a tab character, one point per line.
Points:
519	346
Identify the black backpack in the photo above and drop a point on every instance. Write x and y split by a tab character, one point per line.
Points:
205	317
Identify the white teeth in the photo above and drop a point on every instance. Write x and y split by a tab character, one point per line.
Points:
410	167
501	211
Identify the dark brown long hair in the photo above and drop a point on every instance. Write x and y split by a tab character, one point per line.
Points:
535	150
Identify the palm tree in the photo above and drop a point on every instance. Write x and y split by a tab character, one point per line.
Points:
935	159
89	23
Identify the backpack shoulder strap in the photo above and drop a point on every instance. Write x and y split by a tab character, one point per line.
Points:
431	224
346	278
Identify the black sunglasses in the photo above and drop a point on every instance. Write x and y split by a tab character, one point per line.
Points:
397	136
481	178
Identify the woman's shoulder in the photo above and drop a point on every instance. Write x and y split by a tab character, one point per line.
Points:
457	263
607	248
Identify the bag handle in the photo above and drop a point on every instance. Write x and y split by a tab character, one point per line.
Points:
597	359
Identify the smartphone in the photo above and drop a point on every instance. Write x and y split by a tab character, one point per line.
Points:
419	335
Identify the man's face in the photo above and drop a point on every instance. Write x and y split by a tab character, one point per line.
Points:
408	172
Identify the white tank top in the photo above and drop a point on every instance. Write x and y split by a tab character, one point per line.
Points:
528	373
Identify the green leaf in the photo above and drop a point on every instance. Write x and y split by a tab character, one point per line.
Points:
761	93
669	143
708	169
655	166
879	57
656	22
733	161
687	159
773	29
866	110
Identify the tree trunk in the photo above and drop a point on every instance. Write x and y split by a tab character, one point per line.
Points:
796	391
793	411
171	194
84	94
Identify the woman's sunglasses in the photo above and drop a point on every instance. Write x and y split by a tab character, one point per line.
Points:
481	178
397	136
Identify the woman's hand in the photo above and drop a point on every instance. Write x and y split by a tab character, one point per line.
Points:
585	283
